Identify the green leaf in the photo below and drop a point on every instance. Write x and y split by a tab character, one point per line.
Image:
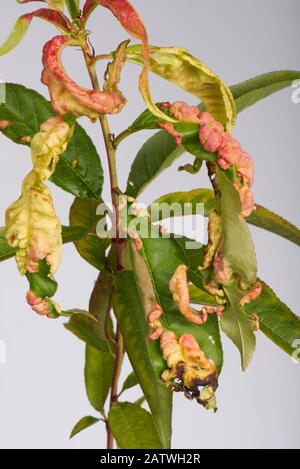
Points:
6	252
85	327
25	109
161	148
162	257
129	382
264	218
79	170
99	365
140	401
157	154
145	356
277	321
237	245
238	326
260	217
73	8
73	233
251	91
201	297
133	427
83	423
40	283
194	197
91	248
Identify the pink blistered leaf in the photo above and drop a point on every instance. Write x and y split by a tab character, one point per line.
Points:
252	295
22	24
245	168
180	291
66	95
168	127
210	133
185	113
247	200
154	322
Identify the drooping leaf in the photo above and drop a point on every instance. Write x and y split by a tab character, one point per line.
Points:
79	170
99	365
162	148
22	24
129	382
277	321
85	327
145	356
237	326
260	217
83	424
184	70
91	247
133	427
237	246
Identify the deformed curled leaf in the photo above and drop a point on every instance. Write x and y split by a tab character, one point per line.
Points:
22	24
189	369
132	23
66	95
113	71
184	70
48	145
179	288
32	226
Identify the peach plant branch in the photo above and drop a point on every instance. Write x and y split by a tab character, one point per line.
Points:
115	192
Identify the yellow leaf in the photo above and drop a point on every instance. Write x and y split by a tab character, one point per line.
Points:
192	75
33	228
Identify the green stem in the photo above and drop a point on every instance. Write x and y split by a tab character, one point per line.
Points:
117	241
126	133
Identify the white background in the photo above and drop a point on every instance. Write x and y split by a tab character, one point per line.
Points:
41	386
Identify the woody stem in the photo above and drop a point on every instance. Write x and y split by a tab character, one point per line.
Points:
117	240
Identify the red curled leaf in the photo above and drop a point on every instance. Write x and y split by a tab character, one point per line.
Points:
23	23
66	95
88	8
132	23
